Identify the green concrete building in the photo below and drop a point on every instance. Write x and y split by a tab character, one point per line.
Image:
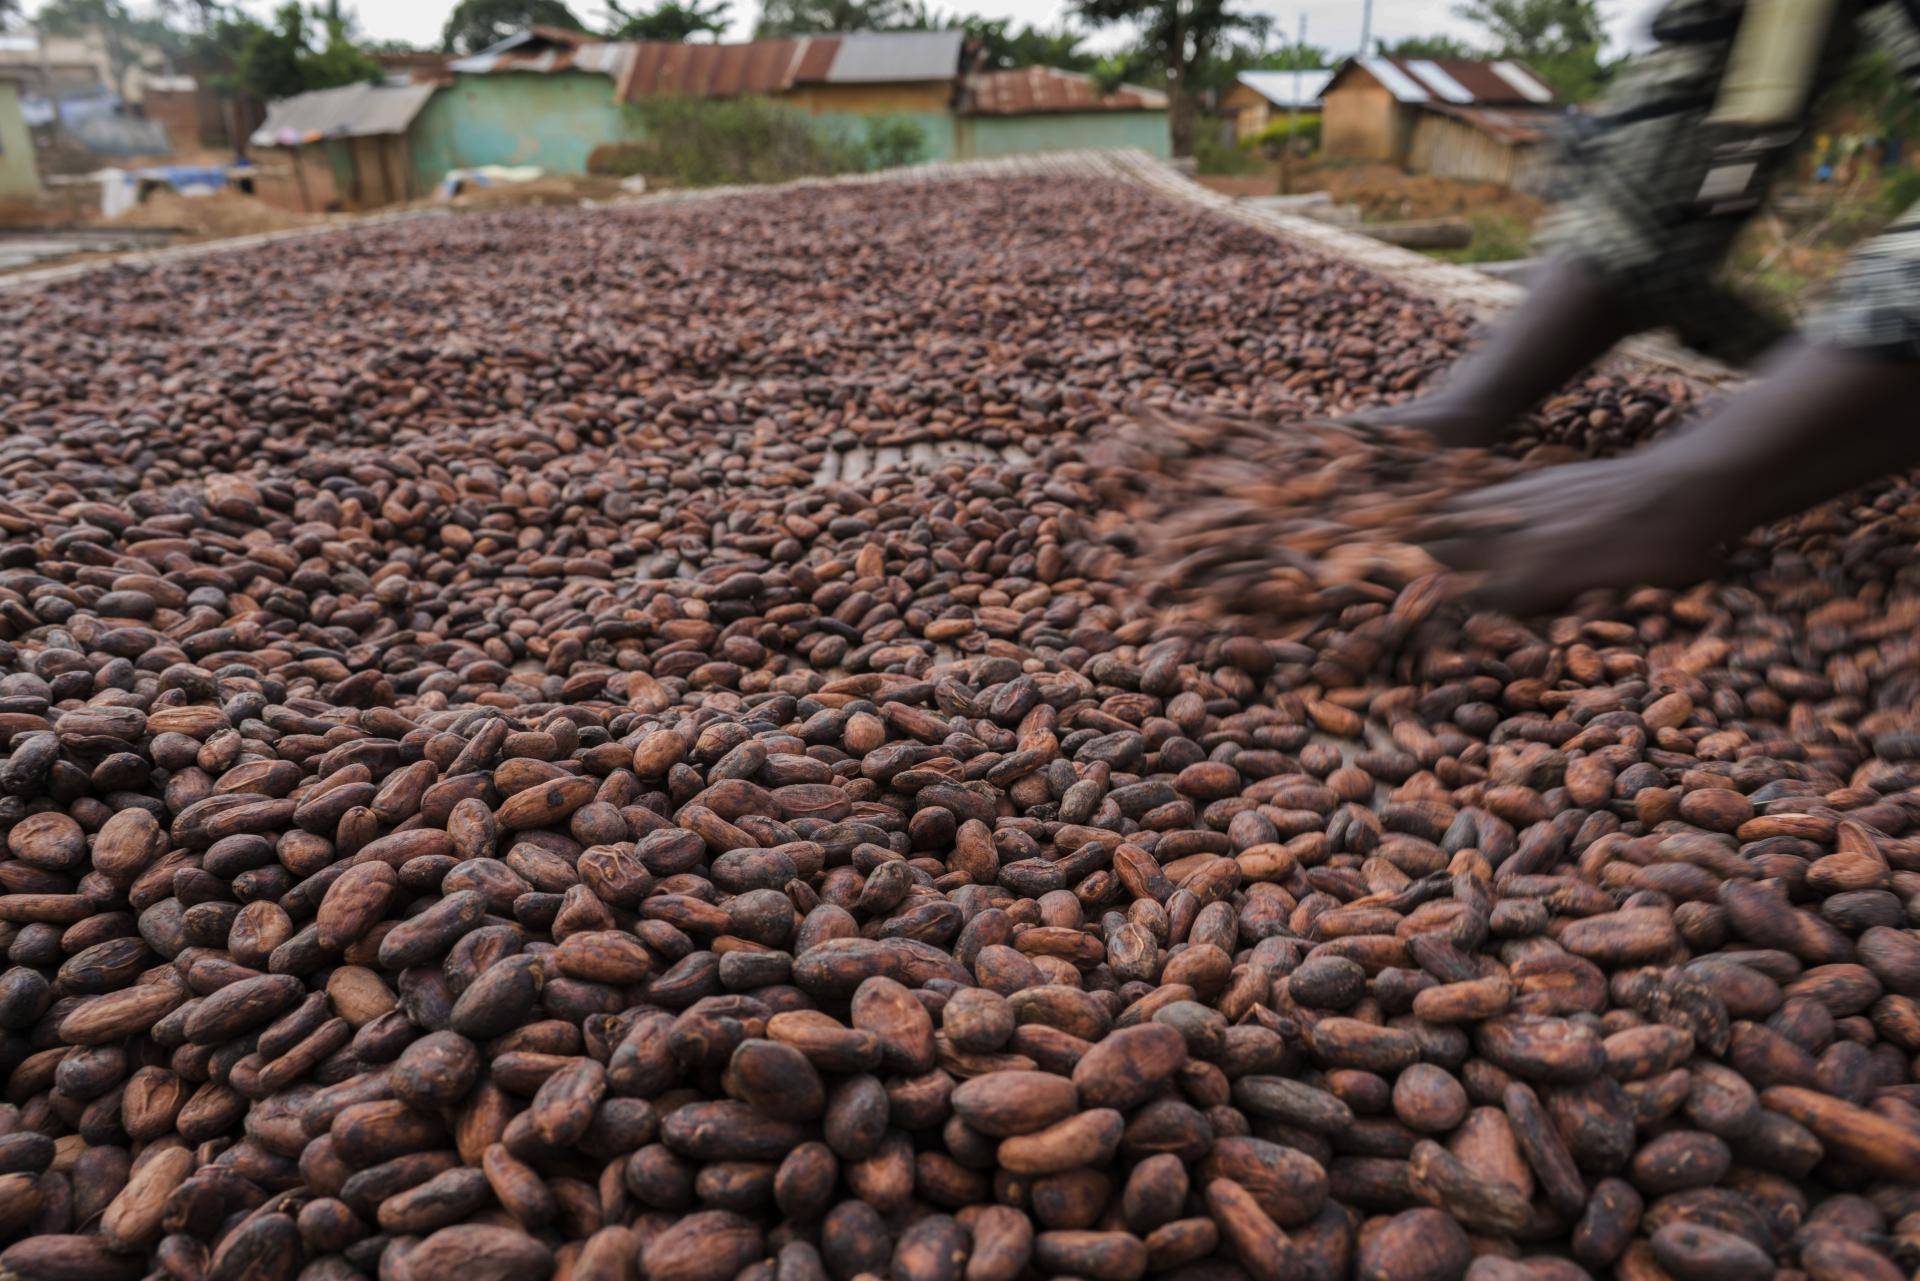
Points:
1010	113
545	97
19	177
549	97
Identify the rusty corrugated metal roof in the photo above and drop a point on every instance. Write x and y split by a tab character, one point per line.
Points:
1480	79
544	51
417	67
657	68
1459	81
1513	126
664	69
778	64
1033	90
816	60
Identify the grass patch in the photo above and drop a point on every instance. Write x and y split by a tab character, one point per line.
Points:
708	142
1497	237
1217	155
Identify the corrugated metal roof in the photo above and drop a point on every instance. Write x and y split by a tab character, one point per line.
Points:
817	59
417	67
605	59
1034	90
1524	80
871	57
776	65
1277	87
1514	126
1396	79
350	111
656	68
545	50
1462	81
667	69
1435	77
1486	85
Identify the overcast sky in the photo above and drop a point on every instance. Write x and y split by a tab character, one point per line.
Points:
1332	23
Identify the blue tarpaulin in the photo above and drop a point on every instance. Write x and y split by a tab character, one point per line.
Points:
189	179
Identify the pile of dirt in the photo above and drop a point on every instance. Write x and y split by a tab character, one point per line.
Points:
1240	184
226	213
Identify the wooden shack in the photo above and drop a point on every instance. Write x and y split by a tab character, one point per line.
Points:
1481	144
1376	108
1260	97
344	148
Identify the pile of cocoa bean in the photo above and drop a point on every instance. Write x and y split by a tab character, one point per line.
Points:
475	808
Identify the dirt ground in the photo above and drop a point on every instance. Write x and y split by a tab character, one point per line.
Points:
1500	222
226	213
1386	193
553	189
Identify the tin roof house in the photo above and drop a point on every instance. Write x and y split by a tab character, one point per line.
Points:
1483	119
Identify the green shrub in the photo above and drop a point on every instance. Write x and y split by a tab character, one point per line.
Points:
703	142
1899	191
1216	154
1497	237
1304	132
892	141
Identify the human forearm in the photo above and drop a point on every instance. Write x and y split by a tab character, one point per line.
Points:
1816	422
1569	319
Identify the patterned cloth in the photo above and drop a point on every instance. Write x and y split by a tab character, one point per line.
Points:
1683	150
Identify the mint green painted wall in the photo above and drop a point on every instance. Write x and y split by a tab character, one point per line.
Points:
516	118
555	121
937	127
17	175
979	137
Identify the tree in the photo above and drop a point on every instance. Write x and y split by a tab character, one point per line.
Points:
214	53
817	17
204	14
1561	39
1305	57
475	24
1000	48
339	61
672	20
1427	47
1873	88
1254	49
1179	41
282	60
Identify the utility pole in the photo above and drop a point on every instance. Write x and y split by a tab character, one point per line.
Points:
1366	28
1293	112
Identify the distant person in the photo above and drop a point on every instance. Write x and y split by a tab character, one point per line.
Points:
1676	161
